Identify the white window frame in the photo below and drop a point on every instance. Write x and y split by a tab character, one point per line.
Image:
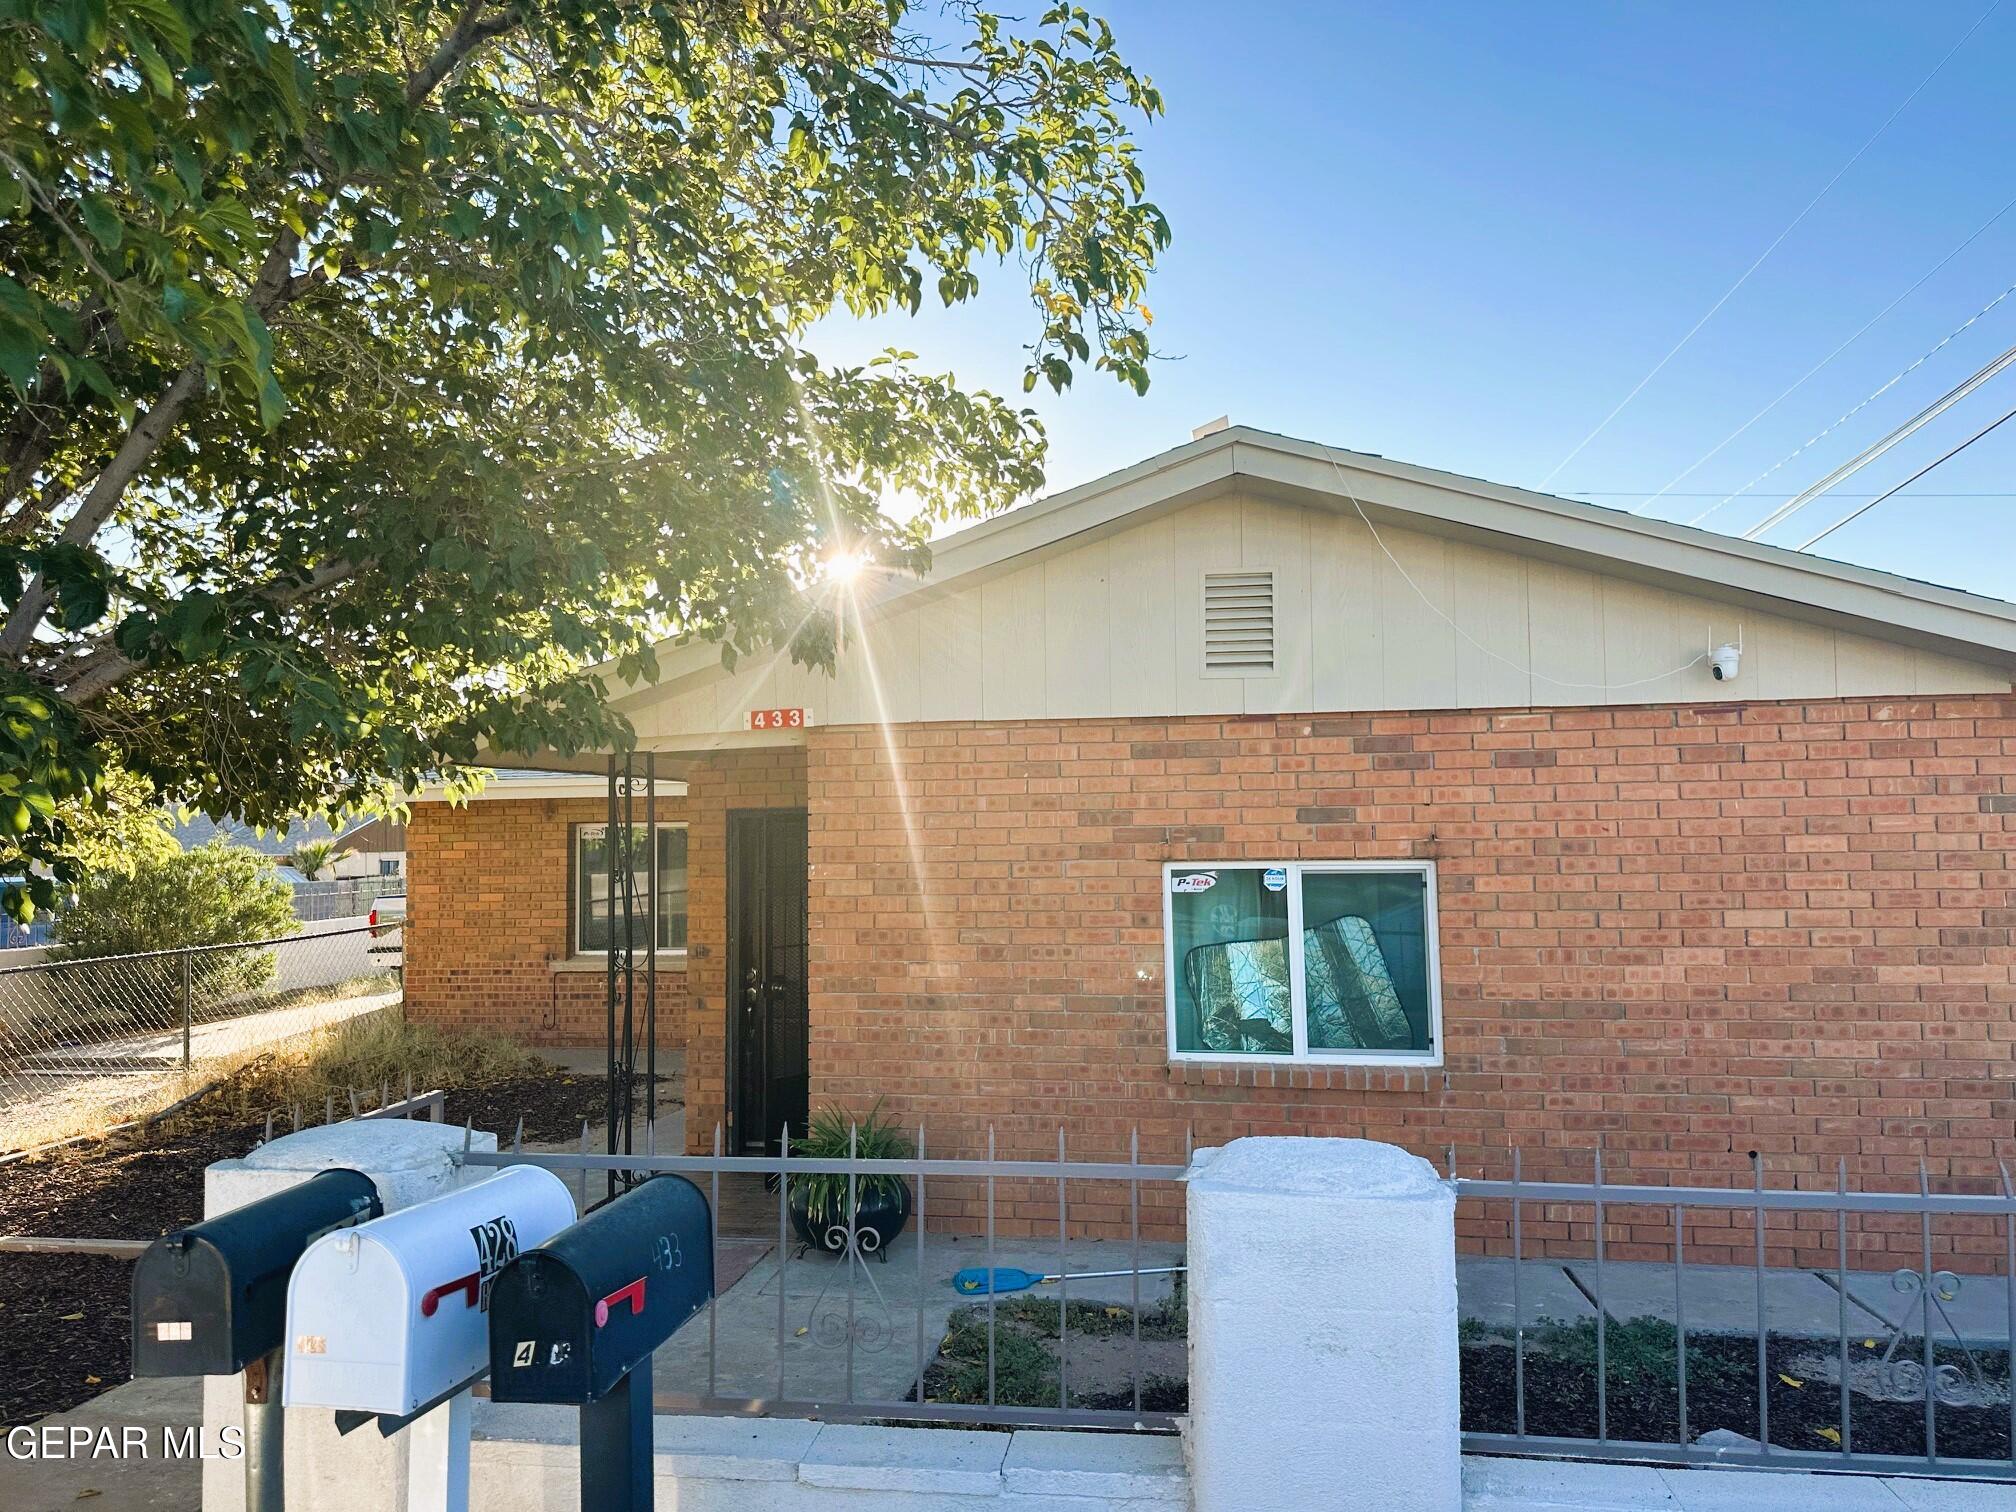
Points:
577	922
1302	1054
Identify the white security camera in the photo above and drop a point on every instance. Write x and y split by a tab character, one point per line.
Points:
1725	660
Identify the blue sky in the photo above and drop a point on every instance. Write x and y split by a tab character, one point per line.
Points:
1458	234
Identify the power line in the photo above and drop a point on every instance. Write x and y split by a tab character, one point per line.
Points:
1877	393
1869	454
1857	513
1522	668
1792	226
1800	381
1640	493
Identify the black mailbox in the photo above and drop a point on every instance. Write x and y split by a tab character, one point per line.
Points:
576	1319
571	1318
211	1299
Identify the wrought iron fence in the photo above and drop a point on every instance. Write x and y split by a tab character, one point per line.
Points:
1831	1329
106	1029
952	1320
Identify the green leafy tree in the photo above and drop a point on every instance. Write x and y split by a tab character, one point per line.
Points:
208	895
117	828
374	369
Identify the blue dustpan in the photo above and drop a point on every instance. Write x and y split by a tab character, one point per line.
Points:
973	1281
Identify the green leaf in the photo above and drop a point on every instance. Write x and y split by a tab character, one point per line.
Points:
20	355
165	22
101	220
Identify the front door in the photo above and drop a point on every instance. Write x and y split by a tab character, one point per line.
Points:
769	1076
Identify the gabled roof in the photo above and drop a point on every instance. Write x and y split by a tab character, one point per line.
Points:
1572	531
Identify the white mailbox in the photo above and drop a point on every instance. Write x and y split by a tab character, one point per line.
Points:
392	1316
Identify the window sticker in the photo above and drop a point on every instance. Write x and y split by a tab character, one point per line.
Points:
1275	879
1193	882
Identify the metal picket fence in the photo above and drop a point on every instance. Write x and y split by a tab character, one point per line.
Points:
1085	1325
1818	1327
103	1031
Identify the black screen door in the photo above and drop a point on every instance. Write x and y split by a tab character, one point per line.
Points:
767	1010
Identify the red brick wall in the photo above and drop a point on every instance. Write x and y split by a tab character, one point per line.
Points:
1683	932
489	897
724	782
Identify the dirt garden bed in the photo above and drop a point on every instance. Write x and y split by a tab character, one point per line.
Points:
1802	1379
1031	1366
1886	1396
64	1319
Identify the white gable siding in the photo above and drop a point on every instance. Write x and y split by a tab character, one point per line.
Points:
1113	626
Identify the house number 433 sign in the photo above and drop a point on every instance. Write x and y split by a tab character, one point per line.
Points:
777	719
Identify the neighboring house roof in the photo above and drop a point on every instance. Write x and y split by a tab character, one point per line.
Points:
523	782
375	835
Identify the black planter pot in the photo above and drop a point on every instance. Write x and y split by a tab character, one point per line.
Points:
880	1216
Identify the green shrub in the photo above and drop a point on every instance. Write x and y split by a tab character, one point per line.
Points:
874	1138
212	895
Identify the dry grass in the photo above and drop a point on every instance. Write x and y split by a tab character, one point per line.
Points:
371	1051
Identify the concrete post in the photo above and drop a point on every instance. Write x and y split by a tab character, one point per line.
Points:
1323	1352
409	1161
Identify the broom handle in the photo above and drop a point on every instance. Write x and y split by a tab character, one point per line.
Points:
1160	1270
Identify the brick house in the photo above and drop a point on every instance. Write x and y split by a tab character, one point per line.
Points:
1261	788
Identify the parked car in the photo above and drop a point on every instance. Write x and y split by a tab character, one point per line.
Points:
388	933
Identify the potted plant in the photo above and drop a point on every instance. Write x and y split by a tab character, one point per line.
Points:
819	1200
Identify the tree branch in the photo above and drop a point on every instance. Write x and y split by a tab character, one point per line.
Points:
273	287
93	675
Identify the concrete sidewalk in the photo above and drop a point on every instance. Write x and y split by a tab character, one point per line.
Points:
1491	1484
128	1483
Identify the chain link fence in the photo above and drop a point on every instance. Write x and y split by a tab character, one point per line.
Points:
86	1037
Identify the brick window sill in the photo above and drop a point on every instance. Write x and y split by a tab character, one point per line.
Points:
668	960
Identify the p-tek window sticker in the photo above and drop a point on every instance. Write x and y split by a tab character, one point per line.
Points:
1193	882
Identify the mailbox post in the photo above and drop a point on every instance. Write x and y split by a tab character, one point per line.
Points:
386	1320
576	1319
211	1299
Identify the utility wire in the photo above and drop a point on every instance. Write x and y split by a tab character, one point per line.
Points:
1522	668
1800	381
1888	384
1857	513
1792	226
1869	454
1639	493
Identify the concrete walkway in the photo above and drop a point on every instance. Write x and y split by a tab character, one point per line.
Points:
225	1036
892	1305
1723	1298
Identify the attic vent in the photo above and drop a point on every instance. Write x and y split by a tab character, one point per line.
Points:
1239	623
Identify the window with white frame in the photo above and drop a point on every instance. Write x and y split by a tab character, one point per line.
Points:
591	887
1303	961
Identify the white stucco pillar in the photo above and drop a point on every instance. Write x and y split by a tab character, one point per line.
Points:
408	1161
1323	1352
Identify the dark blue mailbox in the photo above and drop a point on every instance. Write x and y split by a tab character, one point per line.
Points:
575	1321
211	1299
